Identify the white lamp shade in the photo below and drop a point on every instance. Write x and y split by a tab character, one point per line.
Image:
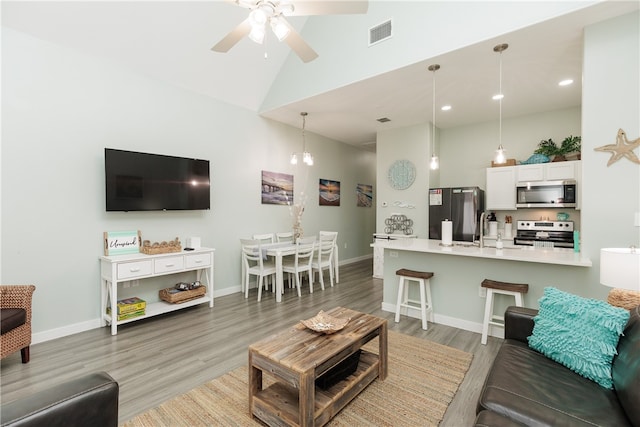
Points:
620	268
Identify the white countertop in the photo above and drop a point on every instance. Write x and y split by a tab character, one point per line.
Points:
562	256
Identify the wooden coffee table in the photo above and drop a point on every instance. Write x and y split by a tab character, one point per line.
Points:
297	356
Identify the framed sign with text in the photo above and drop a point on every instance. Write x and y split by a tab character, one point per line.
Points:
122	242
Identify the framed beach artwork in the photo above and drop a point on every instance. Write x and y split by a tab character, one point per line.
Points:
364	195
329	192
277	188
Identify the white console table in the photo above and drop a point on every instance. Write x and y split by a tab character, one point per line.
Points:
118	269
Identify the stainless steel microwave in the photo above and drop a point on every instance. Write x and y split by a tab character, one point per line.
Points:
546	194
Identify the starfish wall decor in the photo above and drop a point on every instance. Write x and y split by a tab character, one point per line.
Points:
622	148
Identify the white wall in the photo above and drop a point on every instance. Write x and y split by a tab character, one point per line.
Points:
610	102
61	108
411	143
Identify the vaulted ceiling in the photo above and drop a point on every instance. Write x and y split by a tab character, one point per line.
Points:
171	41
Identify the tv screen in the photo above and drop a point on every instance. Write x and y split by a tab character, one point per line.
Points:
152	182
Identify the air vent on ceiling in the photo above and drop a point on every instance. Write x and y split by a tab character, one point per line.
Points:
383	119
380	32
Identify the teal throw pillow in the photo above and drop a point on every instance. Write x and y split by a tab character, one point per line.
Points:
579	333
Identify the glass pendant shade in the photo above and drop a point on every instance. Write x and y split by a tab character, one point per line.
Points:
434	164
307	157
500	156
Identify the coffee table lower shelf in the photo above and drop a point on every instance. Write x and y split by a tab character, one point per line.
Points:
279	401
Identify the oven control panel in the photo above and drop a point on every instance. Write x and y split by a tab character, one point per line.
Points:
545	225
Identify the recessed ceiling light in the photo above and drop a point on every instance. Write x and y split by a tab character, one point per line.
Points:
565	82
446	107
497	97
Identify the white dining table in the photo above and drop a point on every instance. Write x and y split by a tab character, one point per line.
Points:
279	251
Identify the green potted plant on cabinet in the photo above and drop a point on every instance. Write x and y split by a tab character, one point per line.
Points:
569	145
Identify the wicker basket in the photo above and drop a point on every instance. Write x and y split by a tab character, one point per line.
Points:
174	296
624	298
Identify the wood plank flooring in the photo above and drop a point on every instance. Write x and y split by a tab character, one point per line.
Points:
158	358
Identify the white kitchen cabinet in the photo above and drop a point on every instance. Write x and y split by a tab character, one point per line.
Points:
528	173
562	170
501	188
548	171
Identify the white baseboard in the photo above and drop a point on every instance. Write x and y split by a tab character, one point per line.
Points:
52	334
465	325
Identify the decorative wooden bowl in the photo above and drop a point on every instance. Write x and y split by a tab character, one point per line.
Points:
324	323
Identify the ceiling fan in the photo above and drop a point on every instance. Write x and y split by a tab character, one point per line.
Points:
273	12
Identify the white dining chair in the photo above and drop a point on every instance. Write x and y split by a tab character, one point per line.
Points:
324	257
264	239
283	237
255	264
301	262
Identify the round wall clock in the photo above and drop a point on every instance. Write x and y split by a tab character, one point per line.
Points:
401	175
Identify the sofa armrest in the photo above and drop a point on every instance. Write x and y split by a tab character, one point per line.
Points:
518	323
91	400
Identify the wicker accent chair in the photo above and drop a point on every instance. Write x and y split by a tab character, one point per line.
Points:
14	297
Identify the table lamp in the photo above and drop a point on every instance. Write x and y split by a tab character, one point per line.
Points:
620	269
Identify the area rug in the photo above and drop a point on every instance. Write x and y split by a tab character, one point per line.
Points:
423	379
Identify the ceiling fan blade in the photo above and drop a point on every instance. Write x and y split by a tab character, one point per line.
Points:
233	37
298	45
328	7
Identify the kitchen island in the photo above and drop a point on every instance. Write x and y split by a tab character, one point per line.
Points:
460	269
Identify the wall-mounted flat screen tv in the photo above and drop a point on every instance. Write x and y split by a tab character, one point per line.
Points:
152	182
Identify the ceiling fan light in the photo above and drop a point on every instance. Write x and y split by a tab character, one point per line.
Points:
257	33
279	28
258	17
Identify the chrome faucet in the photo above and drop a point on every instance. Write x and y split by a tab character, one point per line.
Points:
482	216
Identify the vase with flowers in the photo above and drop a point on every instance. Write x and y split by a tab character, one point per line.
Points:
296	210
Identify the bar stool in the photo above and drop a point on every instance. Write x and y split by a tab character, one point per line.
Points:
425	305
516	290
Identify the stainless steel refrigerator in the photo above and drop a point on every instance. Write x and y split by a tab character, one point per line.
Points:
461	205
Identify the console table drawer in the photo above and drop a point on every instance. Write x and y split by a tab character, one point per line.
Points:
197	260
130	270
164	265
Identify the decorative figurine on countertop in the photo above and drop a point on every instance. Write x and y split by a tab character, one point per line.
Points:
161	248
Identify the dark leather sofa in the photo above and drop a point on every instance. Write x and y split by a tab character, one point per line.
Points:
524	387
91	400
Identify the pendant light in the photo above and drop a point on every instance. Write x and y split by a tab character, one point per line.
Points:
500	157
307	157
434	164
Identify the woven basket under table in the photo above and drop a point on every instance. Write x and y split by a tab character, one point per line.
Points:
169	294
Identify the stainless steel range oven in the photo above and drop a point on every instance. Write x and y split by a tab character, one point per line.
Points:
557	234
